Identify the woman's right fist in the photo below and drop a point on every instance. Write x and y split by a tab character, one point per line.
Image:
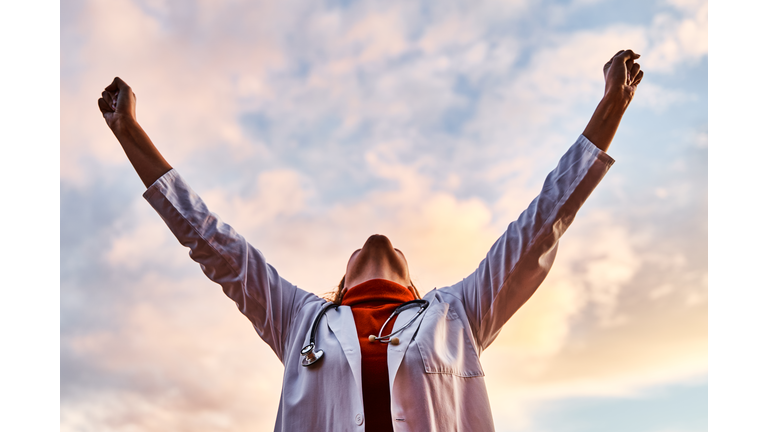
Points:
118	105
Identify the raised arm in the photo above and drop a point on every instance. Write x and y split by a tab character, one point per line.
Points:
521	258
118	106
266	299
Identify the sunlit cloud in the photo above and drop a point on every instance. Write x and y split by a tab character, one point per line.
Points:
308	127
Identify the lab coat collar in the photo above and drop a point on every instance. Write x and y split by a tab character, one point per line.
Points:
342	323
395	353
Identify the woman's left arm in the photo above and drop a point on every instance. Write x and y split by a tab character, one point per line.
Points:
521	258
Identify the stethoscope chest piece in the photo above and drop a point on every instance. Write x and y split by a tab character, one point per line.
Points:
310	356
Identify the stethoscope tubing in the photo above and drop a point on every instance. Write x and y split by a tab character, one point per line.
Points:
422	304
310	356
313	332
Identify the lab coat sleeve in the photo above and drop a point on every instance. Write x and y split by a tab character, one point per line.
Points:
521	258
266	299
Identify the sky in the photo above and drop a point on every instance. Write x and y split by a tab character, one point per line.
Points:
310	125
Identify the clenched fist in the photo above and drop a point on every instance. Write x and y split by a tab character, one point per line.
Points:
118	105
622	75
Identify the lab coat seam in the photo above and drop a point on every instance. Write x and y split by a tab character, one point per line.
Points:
437	371
472	330
289	328
549	222
192	225
211	245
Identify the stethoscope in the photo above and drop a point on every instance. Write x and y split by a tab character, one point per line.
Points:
310	355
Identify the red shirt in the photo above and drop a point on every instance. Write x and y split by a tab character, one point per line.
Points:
372	302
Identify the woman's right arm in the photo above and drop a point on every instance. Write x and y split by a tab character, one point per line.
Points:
266	299
118	106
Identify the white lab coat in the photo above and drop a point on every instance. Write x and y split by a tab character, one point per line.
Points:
436	381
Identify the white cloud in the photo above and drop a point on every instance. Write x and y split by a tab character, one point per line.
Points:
586	332
184	104
183	358
660	99
385	76
689	6
676	41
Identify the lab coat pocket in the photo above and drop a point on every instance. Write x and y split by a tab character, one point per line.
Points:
444	344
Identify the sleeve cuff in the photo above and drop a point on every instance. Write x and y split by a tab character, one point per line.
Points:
162	184
591	149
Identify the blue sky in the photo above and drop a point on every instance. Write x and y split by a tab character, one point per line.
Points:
309	126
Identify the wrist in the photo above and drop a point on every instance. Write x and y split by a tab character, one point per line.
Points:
616	99
125	127
610	109
605	120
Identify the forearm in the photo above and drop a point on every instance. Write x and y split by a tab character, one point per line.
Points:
143	155
605	121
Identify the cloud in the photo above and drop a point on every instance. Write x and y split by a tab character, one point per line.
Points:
618	350
660	99
184	105
136	235
184	358
310	127
676	40
615	317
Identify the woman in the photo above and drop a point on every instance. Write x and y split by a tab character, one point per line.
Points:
378	358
